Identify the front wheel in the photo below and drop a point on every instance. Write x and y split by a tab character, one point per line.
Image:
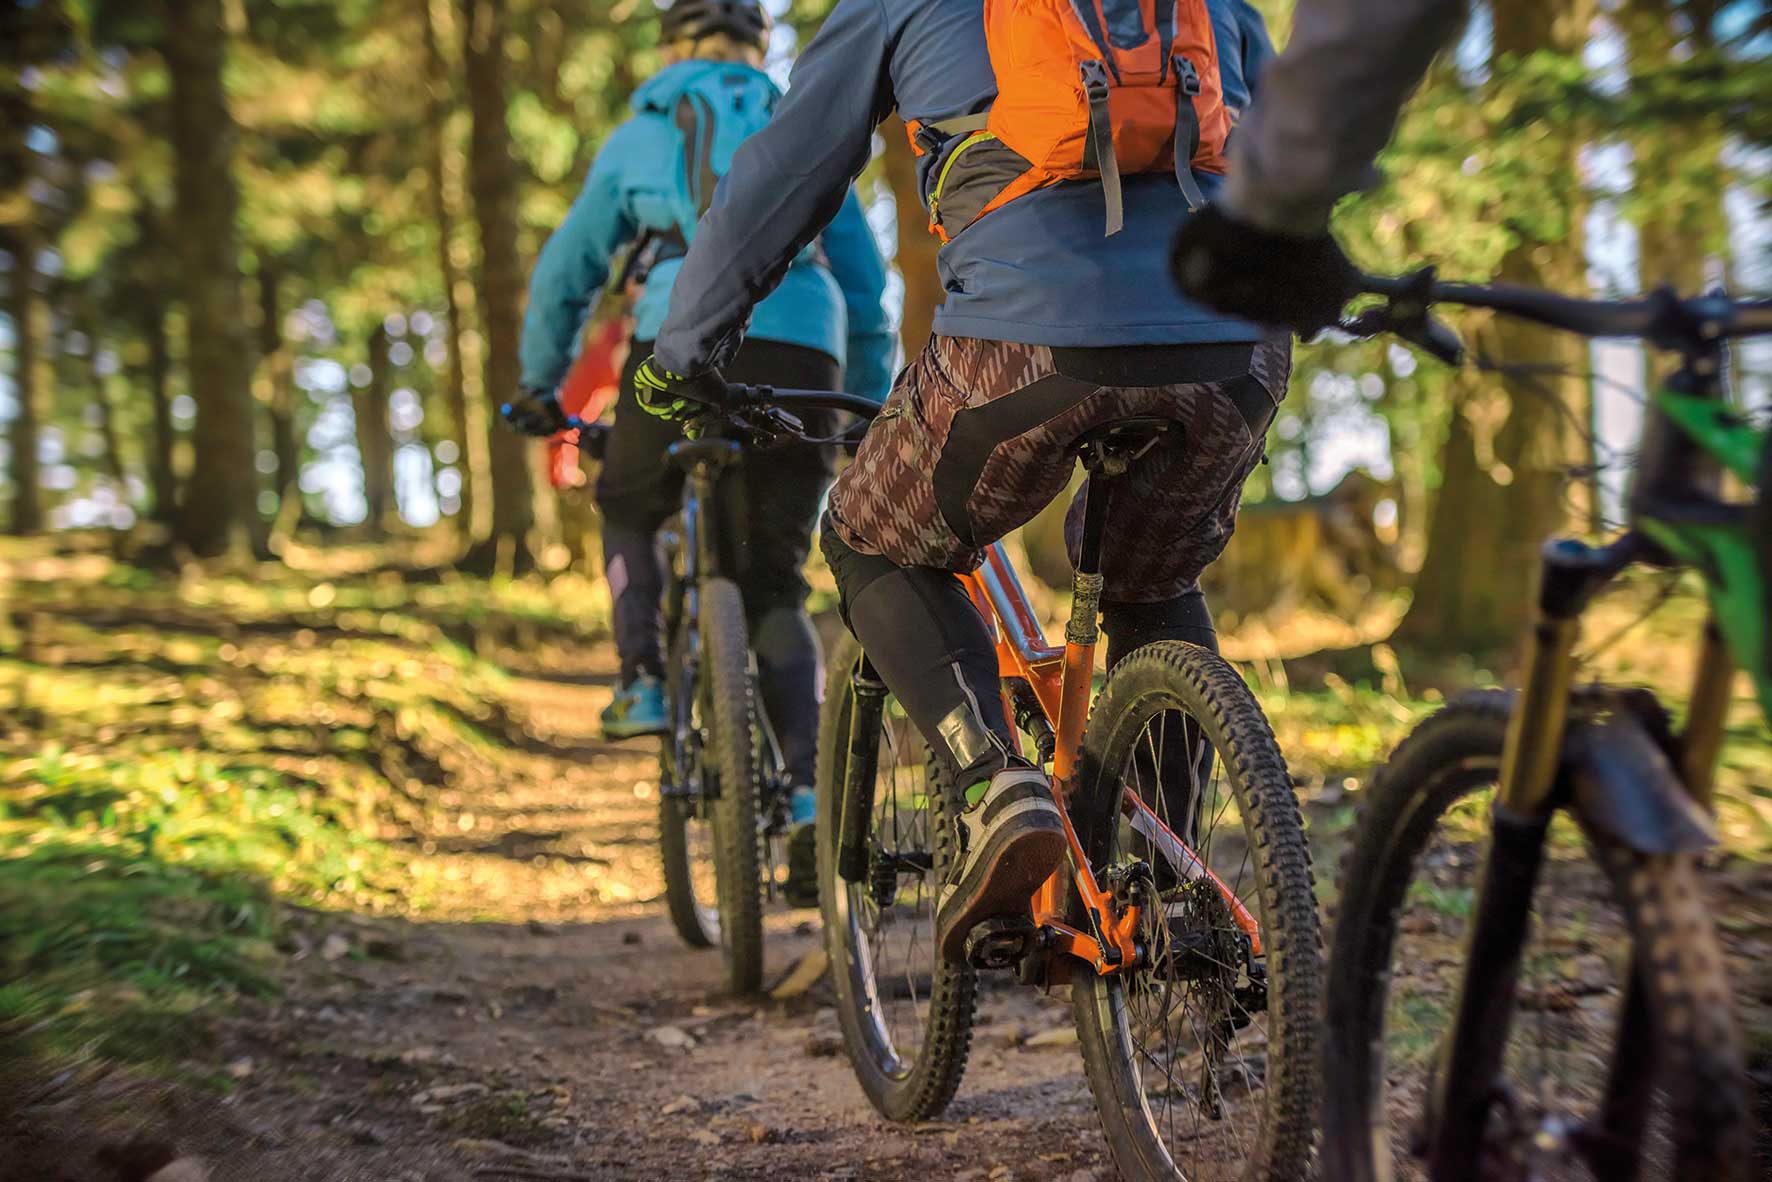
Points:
685	825
1202	1059
1616	1057
686	847
906	1013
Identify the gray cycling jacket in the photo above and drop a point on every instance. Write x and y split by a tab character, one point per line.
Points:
1328	105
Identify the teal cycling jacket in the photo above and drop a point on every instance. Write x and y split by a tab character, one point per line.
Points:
829	298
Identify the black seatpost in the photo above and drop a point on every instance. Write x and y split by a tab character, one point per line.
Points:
1098	495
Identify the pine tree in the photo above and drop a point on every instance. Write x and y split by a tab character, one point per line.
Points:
493	182
220	509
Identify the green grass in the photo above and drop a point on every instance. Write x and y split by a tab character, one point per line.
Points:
131	892
1336	735
1455	902
188	760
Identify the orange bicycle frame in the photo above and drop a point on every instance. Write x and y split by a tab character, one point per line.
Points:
1061	679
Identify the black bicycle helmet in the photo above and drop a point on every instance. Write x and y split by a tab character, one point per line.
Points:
691	20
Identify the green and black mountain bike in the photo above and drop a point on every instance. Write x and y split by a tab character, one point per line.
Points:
1525	981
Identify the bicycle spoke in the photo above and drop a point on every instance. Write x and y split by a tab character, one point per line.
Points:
1186	1024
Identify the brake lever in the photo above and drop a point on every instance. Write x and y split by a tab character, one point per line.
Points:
774	426
1368	322
1407	316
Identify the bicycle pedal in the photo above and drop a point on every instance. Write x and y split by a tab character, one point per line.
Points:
999	943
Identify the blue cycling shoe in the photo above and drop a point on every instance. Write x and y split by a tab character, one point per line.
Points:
638	709
801	889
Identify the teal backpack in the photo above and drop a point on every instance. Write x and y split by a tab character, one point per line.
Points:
717	109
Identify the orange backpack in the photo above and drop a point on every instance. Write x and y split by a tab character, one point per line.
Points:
1086	89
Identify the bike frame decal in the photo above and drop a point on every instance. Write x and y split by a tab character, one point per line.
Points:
1717	429
1724	553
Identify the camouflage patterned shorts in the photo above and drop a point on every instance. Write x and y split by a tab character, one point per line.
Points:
972	443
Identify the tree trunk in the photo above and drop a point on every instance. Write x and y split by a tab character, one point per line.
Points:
275	387
220	510
375	442
917	247
468	421
28	386
1504	467
162	477
1681	224
493	182
112	455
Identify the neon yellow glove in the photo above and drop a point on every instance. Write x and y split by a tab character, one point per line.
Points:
673	396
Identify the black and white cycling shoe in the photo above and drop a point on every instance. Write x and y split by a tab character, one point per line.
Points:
1010	843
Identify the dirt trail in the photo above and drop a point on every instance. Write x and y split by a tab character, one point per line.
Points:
535	1017
519	1031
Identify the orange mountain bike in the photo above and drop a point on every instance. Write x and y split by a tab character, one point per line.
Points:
1184	922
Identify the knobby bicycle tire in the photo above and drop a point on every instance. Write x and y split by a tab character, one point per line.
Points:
1677	961
729	709
1152	682
696	921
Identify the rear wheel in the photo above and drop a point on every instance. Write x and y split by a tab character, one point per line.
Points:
728	710
685	829
906	1014
1618	1056
1203	1059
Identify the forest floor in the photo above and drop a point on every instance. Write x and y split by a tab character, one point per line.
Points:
331	879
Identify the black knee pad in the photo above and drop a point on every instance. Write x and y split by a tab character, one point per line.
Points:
852	569
931	646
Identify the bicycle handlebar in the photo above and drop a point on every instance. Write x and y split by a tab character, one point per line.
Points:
742	397
1663	319
763	411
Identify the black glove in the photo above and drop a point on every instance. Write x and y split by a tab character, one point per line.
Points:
1243	270
535	412
673	396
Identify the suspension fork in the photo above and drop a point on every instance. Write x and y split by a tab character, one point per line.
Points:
1570	573
868	695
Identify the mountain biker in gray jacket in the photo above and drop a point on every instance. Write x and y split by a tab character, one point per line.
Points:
1047	330
1328	105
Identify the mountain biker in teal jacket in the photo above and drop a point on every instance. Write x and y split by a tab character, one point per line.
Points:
824	328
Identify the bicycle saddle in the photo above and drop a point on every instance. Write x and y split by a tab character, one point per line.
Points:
712	450
1116	443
